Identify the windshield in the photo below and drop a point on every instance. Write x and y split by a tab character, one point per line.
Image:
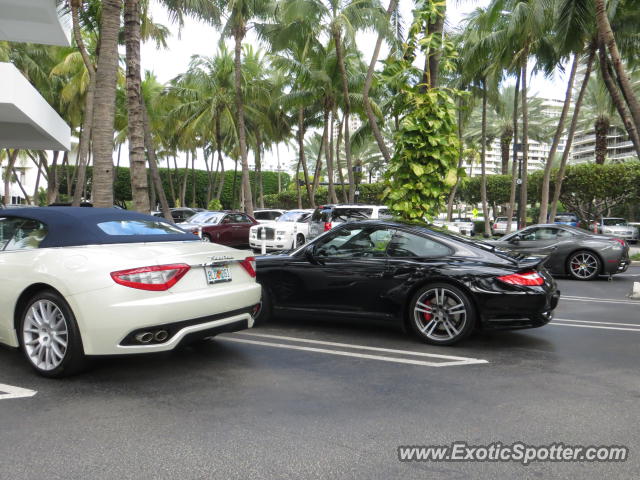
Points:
205	217
291	217
614	222
462	220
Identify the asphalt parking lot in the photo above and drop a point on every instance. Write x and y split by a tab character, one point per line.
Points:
335	399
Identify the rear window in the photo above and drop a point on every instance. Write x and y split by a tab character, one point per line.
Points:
138	227
566	218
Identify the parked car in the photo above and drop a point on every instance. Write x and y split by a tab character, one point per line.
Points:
572	251
326	217
570	219
440	286
289	231
78	282
499	226
618	227
267	215
225	228
180	214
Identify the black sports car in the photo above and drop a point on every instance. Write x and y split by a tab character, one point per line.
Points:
440	285
572	251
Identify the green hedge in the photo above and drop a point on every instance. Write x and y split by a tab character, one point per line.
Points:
122	185
370	193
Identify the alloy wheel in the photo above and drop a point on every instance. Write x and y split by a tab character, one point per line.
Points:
45	335
440	314
583	265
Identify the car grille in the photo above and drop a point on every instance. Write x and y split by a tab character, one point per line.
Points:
268	232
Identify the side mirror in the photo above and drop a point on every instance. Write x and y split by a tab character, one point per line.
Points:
515	240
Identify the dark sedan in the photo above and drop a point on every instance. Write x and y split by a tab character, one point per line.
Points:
440	286
572	251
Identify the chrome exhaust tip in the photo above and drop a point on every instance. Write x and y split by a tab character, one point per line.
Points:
144	337
161	335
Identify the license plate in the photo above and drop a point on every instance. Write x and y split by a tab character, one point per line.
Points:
217	273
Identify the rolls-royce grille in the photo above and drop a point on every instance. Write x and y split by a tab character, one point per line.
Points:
267	232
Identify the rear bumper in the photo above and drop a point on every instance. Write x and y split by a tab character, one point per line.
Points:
528	311
107	317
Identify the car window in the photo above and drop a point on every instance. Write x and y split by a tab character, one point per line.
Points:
293	217
539	234
355	242
138	227
241	218
565	233
566	218
404	244
614	222
385	214
21	233
344	214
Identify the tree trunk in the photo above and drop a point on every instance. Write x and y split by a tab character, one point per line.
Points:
435	30
239	33
53	181
318	170
302	158
185	176
454	190
233	189
153	166
617	99
514	162
85	132
220	159
505	145
135	126
259	185
209	176
21	187
299	194
546	179
602	131
36	196
572	130
525	143
606	34
331	194
346	109
105	101
483	163
193	180
340	174
12	155
367	87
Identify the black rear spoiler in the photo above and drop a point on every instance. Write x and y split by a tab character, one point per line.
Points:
532	262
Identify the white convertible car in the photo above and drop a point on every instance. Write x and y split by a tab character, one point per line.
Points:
289	231
77	282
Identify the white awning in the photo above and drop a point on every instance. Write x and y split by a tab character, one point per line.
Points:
34	21
26	119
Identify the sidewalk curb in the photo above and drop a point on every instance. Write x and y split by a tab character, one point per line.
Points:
635	263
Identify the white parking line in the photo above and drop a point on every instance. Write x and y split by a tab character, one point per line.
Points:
599	323
556	324
599	300
14	392
453	360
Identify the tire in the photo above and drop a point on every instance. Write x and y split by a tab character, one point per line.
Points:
48	325
436	325
206	238
300	240
584	265
265	311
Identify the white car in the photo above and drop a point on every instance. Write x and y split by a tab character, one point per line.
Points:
325	217
269	215
289	231
79	281
499	226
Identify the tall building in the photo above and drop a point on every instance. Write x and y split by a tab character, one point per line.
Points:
538	151
27	121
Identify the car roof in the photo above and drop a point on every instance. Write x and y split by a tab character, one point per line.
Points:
75	226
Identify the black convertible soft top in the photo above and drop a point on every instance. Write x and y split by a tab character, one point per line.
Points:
73	226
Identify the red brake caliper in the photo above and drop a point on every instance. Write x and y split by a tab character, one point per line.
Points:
427	316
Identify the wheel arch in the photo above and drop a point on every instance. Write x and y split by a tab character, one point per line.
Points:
25	296
588	250
440	279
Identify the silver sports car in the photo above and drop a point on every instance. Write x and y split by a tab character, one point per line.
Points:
572	251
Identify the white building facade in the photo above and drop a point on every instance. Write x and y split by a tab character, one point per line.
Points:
27	121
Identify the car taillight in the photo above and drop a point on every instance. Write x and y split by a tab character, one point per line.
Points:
249	265
327	226
155	278
526	278
620	241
